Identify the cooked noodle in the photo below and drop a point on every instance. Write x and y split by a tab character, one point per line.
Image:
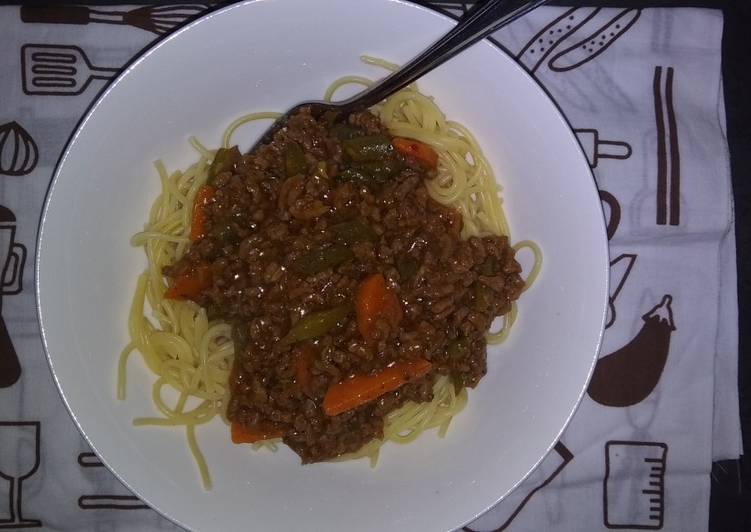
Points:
192	357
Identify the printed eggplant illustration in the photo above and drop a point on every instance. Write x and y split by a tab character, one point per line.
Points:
627	376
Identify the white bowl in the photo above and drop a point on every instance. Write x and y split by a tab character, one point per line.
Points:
268	55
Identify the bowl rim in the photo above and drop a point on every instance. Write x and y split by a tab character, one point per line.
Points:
142	55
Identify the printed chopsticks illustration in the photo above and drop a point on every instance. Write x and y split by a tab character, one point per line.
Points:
668	154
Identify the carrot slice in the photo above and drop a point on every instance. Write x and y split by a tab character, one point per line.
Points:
189	285
200	215
417	150
360	389
375	300
303	363
242	434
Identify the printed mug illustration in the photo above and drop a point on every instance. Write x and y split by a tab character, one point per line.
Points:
627	376
156	19
59	70
551	467
612	213
668	153
19	460
19	153
634	485
12	261
620	269
105	502
596	148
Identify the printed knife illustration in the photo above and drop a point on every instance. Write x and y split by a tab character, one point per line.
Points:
156	19
627	376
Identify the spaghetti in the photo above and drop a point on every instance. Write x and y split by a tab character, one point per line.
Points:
192	357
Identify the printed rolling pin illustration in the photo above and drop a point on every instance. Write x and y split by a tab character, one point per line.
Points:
156	19
548	38
546	472
18	151
59	70
594	44
596	148
634	485
628	375
12	260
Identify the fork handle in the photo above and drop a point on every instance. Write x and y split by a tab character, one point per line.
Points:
474	26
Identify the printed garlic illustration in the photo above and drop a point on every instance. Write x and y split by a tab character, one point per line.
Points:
628	375
18	151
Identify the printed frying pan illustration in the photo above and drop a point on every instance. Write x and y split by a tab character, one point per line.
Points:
61	70
581	34
628	375
156	19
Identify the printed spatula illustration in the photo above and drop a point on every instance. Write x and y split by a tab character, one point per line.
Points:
59	70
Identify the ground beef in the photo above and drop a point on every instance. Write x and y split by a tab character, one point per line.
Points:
274	209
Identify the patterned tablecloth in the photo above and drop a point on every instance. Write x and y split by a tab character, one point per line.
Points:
642	90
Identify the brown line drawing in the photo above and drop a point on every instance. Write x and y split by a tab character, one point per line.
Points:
593	45
155	19
12	261
566	456
13	468
596	148
19	153
105	502
675	159
614	216
624	258
628	375
89	460
662	162
111	502
42	64
628	468
534	53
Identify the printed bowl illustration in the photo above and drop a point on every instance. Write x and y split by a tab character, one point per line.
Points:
194	83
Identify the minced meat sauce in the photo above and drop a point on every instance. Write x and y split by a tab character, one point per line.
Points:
327	255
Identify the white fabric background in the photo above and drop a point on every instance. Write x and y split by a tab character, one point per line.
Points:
692	411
